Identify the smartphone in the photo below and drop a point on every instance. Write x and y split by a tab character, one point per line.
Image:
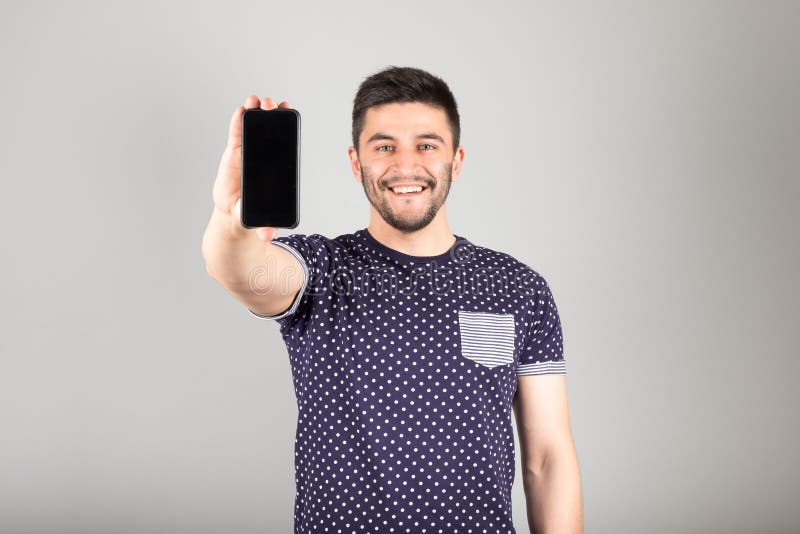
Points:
271	168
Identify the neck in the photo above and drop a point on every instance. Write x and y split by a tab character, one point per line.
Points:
434	239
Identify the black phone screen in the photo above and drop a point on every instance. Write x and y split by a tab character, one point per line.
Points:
270	168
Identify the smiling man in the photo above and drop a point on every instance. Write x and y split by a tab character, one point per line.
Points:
410	346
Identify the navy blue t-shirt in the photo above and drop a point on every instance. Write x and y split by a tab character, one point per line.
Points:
404	369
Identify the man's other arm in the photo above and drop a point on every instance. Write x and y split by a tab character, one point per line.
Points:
551	477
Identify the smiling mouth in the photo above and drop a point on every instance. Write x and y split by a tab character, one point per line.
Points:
407	190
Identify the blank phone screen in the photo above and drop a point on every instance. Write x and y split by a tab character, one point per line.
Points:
270	164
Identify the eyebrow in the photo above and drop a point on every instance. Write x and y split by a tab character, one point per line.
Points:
387	137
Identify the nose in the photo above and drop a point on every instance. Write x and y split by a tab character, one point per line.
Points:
405	162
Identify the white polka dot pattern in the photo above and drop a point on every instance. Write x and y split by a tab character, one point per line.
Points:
404	369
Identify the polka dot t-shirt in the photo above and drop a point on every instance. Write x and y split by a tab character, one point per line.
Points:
404	369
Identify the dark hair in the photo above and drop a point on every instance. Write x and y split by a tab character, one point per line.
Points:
401	85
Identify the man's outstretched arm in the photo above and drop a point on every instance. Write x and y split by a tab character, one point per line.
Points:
551	476
261	275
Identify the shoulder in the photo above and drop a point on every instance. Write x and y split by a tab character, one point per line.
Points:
323	252
523	275
320	242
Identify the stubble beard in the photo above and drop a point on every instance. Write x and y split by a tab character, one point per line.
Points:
408	224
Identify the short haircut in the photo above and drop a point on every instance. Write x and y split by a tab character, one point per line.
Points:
404	85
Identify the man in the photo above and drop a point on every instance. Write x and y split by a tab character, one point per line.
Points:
409	345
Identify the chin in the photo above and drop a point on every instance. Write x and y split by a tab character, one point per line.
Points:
406	225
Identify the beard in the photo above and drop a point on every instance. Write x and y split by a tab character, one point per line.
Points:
437	188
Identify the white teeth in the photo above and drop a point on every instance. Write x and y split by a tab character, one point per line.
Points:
408	189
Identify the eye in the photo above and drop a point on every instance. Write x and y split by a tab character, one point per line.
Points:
426	146
385	148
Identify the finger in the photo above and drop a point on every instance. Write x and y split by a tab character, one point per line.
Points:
267	233
251	102
267	103
284	105
235	129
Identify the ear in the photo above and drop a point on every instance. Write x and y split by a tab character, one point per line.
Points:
355	164
458	159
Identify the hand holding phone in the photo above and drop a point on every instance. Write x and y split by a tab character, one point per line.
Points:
227	186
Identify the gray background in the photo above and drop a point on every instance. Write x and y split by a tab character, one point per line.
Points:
642	156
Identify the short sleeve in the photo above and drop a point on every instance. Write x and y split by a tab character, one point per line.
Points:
315	254
543	351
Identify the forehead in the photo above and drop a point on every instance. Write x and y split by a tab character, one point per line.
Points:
411	119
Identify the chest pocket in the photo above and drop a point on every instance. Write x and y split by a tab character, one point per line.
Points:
487	338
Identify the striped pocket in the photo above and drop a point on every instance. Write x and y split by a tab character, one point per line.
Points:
487	338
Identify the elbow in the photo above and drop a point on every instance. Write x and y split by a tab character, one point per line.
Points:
535	460
534	468
543	460
542	465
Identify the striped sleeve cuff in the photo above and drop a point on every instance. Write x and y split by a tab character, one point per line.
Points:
542	368
300	293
